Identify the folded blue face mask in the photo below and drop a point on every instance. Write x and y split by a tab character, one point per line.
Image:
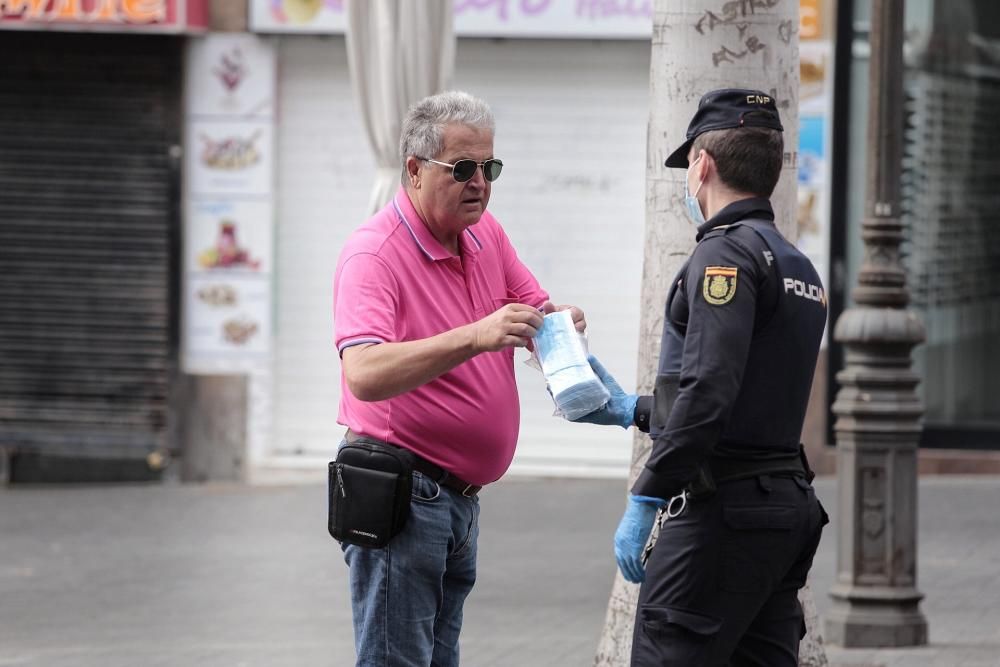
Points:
562	355
691	200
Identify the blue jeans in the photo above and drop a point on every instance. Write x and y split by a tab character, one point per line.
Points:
407	598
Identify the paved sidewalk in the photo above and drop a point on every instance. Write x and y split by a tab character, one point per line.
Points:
958	571
245	576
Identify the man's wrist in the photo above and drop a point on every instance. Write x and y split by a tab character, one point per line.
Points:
647	500
642	412
468	340
628	418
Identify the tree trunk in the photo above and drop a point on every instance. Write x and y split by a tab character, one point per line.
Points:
697	46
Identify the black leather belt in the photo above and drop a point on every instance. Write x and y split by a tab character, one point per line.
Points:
425	467
720	470
729	470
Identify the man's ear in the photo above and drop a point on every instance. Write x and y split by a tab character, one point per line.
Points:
706	165
413	171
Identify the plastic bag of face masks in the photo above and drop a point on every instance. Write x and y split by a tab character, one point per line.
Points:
561	354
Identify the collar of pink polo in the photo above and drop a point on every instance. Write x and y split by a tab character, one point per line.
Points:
422	236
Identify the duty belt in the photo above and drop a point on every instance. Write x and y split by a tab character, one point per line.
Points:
719	470
424	467
729	470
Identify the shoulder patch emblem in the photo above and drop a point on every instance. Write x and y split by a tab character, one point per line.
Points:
719	285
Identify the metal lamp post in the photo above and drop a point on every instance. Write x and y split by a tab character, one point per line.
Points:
875	599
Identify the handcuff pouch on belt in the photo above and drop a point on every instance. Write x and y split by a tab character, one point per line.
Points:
369	492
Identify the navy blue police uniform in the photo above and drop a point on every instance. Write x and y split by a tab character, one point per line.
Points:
742	328
743	323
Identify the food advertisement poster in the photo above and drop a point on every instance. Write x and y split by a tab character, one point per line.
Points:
229	209
230	76
231	157
229	235
228	321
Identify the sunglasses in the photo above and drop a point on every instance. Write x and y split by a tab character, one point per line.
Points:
463	170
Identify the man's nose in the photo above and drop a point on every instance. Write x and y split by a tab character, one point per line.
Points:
478	179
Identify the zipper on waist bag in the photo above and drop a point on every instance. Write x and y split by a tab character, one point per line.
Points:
340	480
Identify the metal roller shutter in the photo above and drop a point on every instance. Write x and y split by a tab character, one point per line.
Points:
87	228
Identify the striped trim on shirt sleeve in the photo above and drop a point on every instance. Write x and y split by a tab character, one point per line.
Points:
350	342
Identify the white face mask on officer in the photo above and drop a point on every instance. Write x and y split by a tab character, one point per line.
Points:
691	200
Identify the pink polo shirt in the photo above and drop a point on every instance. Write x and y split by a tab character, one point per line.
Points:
395	282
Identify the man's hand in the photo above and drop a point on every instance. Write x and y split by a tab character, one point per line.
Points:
620	408
513	325
632	535
579	320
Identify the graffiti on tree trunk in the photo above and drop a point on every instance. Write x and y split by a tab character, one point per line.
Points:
746	42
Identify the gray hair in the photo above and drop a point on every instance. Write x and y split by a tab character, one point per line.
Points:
425	121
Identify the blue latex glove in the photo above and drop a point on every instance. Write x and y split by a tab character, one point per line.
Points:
632	535
620	408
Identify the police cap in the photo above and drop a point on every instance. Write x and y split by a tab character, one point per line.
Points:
724	109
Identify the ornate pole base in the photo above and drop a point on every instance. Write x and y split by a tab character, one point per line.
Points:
875	599
872	617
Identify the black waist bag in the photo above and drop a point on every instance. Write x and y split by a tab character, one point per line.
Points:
369	493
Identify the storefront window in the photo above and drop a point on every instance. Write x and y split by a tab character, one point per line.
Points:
951	203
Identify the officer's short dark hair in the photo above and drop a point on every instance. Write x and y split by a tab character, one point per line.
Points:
748	158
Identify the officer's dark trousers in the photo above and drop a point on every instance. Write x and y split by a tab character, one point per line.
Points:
722	582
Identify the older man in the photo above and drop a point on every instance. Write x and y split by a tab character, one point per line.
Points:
430	302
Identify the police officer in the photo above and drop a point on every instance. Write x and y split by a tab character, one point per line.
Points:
744	318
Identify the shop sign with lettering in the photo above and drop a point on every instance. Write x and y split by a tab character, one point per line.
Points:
173	16
592	19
